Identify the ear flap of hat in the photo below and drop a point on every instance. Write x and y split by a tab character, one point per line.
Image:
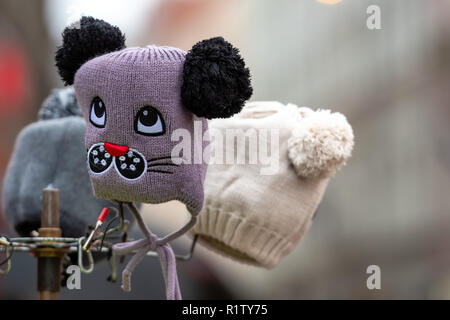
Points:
320	144
216	82
83	41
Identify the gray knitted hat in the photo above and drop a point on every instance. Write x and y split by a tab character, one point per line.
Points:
51	152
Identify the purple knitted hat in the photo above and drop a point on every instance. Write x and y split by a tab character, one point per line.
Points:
133	100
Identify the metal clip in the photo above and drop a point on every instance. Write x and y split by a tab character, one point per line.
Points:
80	257
190	254
7	244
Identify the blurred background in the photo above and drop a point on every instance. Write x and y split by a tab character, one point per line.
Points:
389	206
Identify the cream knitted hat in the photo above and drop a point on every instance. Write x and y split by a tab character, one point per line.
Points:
258	216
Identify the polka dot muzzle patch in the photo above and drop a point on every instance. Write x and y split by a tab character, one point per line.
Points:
130	166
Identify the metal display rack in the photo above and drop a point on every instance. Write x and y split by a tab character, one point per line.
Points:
50	248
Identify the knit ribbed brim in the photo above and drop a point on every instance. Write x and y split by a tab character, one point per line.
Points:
247	239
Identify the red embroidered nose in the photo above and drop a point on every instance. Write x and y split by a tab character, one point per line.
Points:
115	150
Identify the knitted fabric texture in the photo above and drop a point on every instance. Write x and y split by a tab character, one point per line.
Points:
127	83
51	152
260	218
139	103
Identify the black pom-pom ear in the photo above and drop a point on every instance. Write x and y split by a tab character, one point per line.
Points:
83	41
216	82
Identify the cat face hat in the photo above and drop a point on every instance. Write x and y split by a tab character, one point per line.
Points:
134	100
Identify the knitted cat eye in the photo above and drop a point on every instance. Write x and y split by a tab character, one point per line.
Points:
97	116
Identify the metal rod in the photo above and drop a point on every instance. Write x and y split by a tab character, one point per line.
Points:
39	239
50	208
73	247
49	258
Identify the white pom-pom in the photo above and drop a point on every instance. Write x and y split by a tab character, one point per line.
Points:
320	144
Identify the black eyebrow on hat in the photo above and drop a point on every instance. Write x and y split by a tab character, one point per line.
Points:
161	171
163	164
